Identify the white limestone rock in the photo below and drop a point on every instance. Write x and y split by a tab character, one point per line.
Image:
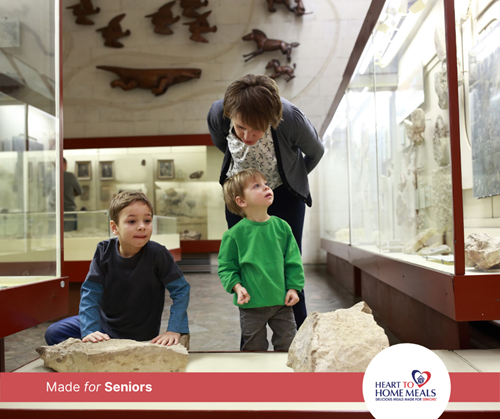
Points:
114	355
415	244
441	88
440	142
440	42
482	251
344	340
415	127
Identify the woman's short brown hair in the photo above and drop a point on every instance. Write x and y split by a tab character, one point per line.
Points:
235	186
123	200
256	99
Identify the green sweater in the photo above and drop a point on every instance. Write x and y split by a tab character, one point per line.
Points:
264	258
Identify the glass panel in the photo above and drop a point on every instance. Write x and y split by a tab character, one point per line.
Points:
181	183
478	46
363	157
29	142
414	171
334	179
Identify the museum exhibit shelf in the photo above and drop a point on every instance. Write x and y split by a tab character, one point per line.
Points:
410	176
32	289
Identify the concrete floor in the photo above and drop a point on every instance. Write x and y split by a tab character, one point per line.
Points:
213	319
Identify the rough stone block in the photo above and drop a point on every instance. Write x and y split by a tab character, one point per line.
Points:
115	355
482	251
344	340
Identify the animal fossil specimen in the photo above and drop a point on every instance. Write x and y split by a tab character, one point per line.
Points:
279	70
113	31
157	80
265	44
299	10
440	142
163	18
199	26
190	6
82	10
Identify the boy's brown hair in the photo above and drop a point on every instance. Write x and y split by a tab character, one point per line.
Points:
123	200
235	186
256	99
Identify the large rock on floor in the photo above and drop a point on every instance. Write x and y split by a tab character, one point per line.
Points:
482	251
344	340
114	355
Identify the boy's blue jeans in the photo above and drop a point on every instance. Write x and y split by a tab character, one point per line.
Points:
64	329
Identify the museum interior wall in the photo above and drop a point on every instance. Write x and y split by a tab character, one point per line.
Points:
93	109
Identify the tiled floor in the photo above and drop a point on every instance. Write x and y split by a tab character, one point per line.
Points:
213	319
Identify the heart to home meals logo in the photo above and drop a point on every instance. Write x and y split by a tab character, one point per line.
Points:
421	378
391	386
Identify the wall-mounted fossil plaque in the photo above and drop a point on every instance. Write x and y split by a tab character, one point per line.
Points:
113	32
279	70
199	26
163	18
82	10
158	80
265	44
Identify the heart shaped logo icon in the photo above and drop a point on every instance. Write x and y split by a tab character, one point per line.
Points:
421	378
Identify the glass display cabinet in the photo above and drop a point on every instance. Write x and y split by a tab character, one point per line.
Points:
410	188
31	288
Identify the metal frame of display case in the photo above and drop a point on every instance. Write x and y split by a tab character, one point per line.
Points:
418	304
25	306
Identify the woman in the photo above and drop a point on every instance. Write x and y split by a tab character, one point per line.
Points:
254	127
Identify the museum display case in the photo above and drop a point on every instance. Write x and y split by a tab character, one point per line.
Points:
31	288
181	182
413	157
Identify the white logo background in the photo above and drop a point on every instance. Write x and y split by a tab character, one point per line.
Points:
395	365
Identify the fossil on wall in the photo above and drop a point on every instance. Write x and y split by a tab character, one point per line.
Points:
200	25
279	70
189	7
299	9
441	187
163	18
440	142
157	80
113	32
265	44
82	10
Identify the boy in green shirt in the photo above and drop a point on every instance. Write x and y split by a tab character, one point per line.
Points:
260	262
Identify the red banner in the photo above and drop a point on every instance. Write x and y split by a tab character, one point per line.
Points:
216	387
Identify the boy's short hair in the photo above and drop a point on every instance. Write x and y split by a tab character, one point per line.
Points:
123	200
256	99
235	185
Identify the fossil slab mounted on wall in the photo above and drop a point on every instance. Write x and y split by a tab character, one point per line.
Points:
345	340
442	197
115	355
82	10
440	142
158	80
113	32
163	18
